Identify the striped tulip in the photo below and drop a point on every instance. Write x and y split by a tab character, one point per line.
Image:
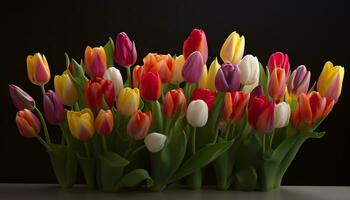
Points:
27	123
163	64
299	81
277	84
228	78
193	67
279	60
125	53
196	41
95	60
114	75
38	70
65	89
104	122
150	86
99	89
213	70
179	64
128	101
53	108
20	98
204	94
81	124
235	106
233	48
330	82
139	124
261	114
174	103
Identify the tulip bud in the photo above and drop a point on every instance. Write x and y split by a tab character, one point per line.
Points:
150	86
235	106
179	64
261	114
128	101
155	142
279	60
233	48
20	98
53	108
99	89
249	68
299	81
65	89
204	94
139	125
277	84
114	75
203	81
196	41
281	115
257	91
163	64
125	53
27	123
213	70
81	124
174	103
197	113
104	122
193	67
330	82
38	69
136	76
95	61
227	78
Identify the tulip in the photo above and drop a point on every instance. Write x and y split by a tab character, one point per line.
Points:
139	124
38	69
150	86
277	84
257	91
125	53
213	69
155	142
27	123
128	101
163	64
330	82
196	41
233	48
281	115
114	75
20	98
227	78
299	81
179	64
193	67
65	89
249	68
261	114
204	94
137	73
174	103
279	60
53	108
104	122
235	106
95	61
203	81
81	124
311	109
99	89
197	113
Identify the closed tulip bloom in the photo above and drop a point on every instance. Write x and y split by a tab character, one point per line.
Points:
81	124
179	64
20	98
330	82
104	122
114	75
139	125
65	89
95	61
282	115
257	91
27	123
174	103
213	69
128	101
163	64
197	113
99	89
233	48
136	75
53	108
155	142
299	81
150	86
279	60
227	78
261	114
38	70
235	106
125	53
277	84
193	67
203	81
196	41
206	95
250	69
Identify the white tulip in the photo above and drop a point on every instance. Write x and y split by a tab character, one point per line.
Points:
155	142
114	75
249	68
281	115
179	64
197	113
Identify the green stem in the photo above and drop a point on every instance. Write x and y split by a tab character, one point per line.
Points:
194	141
76	107
128	80
104	144
135	151
87	150
46	132
48	148
271	139
264	141
227	131
43	89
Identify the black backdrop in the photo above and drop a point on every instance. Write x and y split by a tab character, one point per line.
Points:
310	32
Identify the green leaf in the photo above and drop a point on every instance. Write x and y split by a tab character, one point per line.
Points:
157	116
88	167
111	159
67	59
109	49
312	87
293	105
263	78
134	178
246	179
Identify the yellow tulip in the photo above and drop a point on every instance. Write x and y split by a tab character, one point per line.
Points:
81	124
203	80
330	82
128	101
214	67
179	64
65	89
233	48
38	69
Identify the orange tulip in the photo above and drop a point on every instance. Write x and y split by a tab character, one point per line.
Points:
174	102
163	64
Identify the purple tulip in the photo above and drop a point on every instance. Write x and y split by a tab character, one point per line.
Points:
125	51
257	91
299	81
193	68
20	98
53	108
228	78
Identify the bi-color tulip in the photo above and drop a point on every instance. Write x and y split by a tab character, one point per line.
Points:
65	89
281	115
233	48
197	113
38	70
193	67
206	95
277	84
95	61
150	86
163	64
179	64
155	142
136	76
20	98
196	41
227	78
250	70
125	53
53	108
174	103
27	123
139	124
330	82
128	101
99	89
81	124
299	81
261	114
114	75
279	60
104	122
235	106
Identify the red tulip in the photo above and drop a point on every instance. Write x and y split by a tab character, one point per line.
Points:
206	95
174	102
98	89
196	41
139	125
150	86
235	105
261	114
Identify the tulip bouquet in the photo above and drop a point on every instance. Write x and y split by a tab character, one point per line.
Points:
173	117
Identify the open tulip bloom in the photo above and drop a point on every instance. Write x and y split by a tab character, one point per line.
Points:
246	120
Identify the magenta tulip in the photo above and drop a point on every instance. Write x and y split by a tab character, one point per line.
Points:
53	108
20	98
125	51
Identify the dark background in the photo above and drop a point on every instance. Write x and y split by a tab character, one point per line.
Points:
310	32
